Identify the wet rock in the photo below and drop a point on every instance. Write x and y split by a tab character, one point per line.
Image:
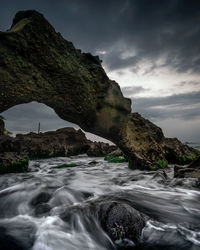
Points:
42	209
116	152
93	162
160	176
122	222
190	171
40	198
99	149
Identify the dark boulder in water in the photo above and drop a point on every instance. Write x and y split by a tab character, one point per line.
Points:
42	197
122	222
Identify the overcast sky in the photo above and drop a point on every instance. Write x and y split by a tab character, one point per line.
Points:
150	47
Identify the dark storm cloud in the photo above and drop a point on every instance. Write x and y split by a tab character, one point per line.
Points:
153	28
182	106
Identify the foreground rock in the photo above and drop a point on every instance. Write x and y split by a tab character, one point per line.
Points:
123	223
191	171
37	64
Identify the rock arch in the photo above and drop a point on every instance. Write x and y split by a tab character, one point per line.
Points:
38	64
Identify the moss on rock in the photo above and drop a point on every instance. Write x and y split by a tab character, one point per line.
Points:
20	166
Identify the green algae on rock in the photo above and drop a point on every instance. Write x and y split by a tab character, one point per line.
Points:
13	163
67	165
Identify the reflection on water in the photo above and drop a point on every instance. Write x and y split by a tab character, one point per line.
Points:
32	206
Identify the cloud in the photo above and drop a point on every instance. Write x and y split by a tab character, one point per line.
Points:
25	118
131	91
154	29
182	106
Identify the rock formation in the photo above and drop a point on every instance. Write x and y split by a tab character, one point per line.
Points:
100	149
38	64
2	126
190	171
62	142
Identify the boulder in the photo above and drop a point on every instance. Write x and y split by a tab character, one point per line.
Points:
122	222
100	149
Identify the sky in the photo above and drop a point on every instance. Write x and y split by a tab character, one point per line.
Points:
150	47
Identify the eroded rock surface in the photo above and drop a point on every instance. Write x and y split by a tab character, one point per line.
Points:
190	171
62	142
38	64
2	126
122	222
100	149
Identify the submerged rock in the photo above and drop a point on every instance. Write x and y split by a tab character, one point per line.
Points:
38	64
41	198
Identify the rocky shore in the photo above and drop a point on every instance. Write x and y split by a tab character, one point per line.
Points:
62	142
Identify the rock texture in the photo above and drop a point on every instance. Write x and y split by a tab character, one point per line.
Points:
191	171
62	142
13	162
100	149
37	64
2	126
121	222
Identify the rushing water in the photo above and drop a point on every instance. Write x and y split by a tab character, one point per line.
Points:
50	209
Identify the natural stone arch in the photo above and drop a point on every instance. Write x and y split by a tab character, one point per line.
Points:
37	64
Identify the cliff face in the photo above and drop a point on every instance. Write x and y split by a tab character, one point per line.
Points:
37	64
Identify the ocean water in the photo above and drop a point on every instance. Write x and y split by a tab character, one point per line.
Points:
57	209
